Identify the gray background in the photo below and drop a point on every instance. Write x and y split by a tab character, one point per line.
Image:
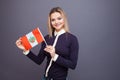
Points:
96	23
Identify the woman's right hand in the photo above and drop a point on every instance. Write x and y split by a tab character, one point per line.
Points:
20	45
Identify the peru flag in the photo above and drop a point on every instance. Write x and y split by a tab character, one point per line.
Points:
32	39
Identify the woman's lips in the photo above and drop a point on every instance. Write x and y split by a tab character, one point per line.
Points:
57	25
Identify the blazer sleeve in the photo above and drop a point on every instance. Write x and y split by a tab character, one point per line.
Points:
38	59
71	62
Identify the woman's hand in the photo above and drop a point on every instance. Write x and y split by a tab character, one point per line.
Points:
50	49
20	45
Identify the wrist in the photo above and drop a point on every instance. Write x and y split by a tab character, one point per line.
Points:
26	52
55	57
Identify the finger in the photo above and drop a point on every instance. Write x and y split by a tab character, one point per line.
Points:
47	50
48	47
18	41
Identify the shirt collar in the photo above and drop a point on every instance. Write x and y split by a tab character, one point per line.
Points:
59	32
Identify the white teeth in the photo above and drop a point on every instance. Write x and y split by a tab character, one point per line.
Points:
57	24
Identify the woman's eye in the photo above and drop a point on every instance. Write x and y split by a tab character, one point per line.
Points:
52	19
59	18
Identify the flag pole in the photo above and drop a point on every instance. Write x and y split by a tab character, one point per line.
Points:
45	42
43	37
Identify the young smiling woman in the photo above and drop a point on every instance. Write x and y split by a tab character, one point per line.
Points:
61	51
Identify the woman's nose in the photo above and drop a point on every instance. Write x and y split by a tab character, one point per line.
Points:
56	21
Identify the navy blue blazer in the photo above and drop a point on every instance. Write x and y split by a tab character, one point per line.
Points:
67	48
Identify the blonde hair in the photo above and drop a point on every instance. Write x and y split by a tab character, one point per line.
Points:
59	10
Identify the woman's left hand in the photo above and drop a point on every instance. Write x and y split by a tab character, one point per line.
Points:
50	49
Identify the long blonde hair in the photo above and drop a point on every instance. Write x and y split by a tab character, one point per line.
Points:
59	10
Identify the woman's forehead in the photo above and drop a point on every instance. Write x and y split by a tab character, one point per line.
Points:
55	14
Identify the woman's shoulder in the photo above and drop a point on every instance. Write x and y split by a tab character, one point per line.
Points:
70	35
72	39
47	36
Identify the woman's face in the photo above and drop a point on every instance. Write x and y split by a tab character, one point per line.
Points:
57	21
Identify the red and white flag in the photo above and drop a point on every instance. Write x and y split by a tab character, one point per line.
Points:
32	39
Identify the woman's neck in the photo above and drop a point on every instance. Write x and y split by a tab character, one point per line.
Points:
59	32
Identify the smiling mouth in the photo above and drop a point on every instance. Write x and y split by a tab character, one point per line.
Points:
57	25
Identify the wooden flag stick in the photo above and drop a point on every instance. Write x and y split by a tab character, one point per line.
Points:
43	37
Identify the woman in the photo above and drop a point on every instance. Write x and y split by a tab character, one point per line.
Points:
62	48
